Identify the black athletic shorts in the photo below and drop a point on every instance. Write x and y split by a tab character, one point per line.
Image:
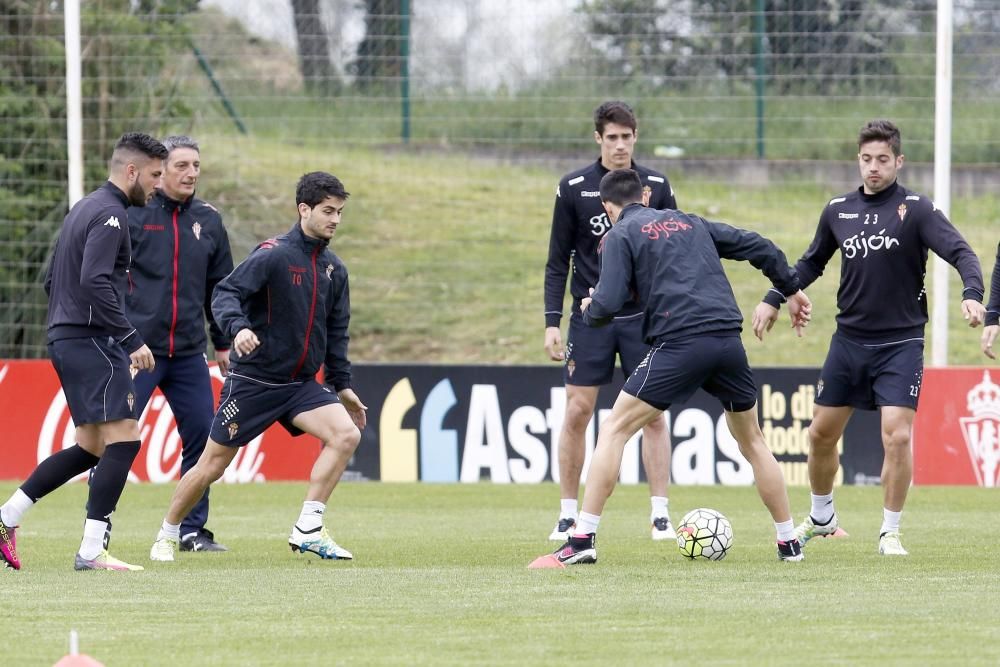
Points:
95	377
592	352
674	370
247	407
870	376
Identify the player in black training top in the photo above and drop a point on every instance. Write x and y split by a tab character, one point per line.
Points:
579	222
876	359
94	349
671	263
287	307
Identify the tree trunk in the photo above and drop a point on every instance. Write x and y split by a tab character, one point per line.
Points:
379	62
314	55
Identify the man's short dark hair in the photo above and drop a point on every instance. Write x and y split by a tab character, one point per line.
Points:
180	141
616	112
316	186
143	144
621	187
881	130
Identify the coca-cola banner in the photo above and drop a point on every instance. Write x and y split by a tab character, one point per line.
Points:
455	424
956	436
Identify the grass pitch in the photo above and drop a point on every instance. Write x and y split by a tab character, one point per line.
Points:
440	578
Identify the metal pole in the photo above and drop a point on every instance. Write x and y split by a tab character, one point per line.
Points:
942	175
404	83
74	101
761	68
217	87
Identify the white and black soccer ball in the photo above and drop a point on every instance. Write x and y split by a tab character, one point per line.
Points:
704	533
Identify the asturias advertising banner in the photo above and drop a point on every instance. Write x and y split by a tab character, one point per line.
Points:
440	423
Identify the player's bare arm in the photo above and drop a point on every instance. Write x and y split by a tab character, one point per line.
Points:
142	359
222	358
553	343
354	407
245	342
764	317
800	310
973	312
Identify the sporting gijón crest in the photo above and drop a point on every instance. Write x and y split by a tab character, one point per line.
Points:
982	431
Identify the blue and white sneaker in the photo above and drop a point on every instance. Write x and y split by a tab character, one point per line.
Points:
319	542
809	529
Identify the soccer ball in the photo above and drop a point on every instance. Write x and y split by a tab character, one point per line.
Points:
704	533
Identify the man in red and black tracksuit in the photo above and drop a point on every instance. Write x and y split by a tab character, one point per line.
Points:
287	308
670	262
93	347
180	251
876	358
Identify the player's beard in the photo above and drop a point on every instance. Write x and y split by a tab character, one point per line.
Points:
136	195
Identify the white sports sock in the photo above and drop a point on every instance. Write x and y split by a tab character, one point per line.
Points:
659	504
890	521
822	508
93	539
169	530
568	508
587	523
785	529
311	517
14	509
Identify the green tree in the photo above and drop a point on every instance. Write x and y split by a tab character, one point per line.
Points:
811	45
125	47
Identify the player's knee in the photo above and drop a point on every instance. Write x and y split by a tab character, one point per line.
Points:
210	470
578	414
344	439
822	440
896	442
657	427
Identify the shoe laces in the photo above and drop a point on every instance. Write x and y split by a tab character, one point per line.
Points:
661	523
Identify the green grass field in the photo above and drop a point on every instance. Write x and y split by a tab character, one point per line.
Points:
440	578
447	252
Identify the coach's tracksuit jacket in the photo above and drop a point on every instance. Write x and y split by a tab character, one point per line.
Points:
578	225
181	252
883	241
672	262
293	293
86	278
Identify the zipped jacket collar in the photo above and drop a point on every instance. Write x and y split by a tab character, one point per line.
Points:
307	242
169	204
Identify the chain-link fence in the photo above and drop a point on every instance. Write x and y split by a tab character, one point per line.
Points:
721	86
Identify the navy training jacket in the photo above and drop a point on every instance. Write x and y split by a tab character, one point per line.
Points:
293	293
180	252
578	225
86	277
670	262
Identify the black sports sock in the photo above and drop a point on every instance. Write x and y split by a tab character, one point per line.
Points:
109	479
56	470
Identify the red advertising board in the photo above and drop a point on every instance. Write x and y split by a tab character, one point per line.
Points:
35	421
468	423
956	435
